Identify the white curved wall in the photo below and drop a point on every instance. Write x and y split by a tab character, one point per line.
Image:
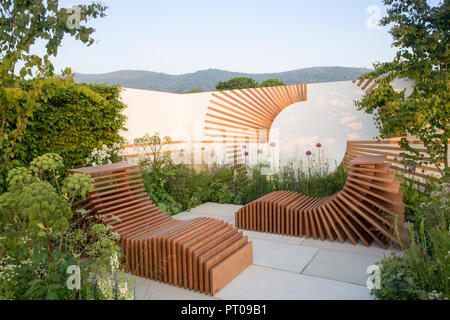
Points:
329	116
166	113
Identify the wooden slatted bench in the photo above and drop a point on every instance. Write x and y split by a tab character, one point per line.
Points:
369	207
201	254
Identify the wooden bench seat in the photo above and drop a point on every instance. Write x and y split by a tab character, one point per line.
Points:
201	254
369	208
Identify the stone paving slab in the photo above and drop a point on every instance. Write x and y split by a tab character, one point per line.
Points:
273	237
341	266
374	250
227	210
281	256
283	267
154	290
186	215
262	283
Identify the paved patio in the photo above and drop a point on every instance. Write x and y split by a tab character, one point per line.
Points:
283	267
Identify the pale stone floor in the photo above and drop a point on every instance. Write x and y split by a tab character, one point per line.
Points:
283	267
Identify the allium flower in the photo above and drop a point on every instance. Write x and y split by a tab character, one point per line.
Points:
273	144
244	147
308	153
318	145
259	151
246	153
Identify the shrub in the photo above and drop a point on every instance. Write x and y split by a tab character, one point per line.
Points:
41	238
424	270
396	284
72	120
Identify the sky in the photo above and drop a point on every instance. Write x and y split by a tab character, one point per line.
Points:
255	36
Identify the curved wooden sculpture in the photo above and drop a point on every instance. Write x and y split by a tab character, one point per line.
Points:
201	254
370	207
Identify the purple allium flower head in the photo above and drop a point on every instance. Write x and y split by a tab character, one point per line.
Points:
259	151
308	153
244	147
273	144
246	153
318	145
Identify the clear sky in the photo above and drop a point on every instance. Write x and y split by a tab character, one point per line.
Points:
258	36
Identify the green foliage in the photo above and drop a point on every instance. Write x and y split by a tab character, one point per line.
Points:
154	154
158	171
73	120
421	34
177	187
31	273
237	83
35	200
195	90
49	162
272	83
396	284
17	178
424	270
46	211
76	184
40	238
415	197
22	24
244	83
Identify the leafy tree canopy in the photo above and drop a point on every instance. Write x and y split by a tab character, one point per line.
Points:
421	34
272	83
237	83
245	83
22	23
195	90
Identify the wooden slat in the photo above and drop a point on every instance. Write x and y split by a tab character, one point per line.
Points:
160	247
368	208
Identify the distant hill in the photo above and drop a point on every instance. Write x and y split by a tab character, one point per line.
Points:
208	79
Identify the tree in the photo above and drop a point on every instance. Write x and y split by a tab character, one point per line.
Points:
195	90
272	83
237	83
22	23
421	34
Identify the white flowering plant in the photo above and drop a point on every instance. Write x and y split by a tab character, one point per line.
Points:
106	155
43	233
